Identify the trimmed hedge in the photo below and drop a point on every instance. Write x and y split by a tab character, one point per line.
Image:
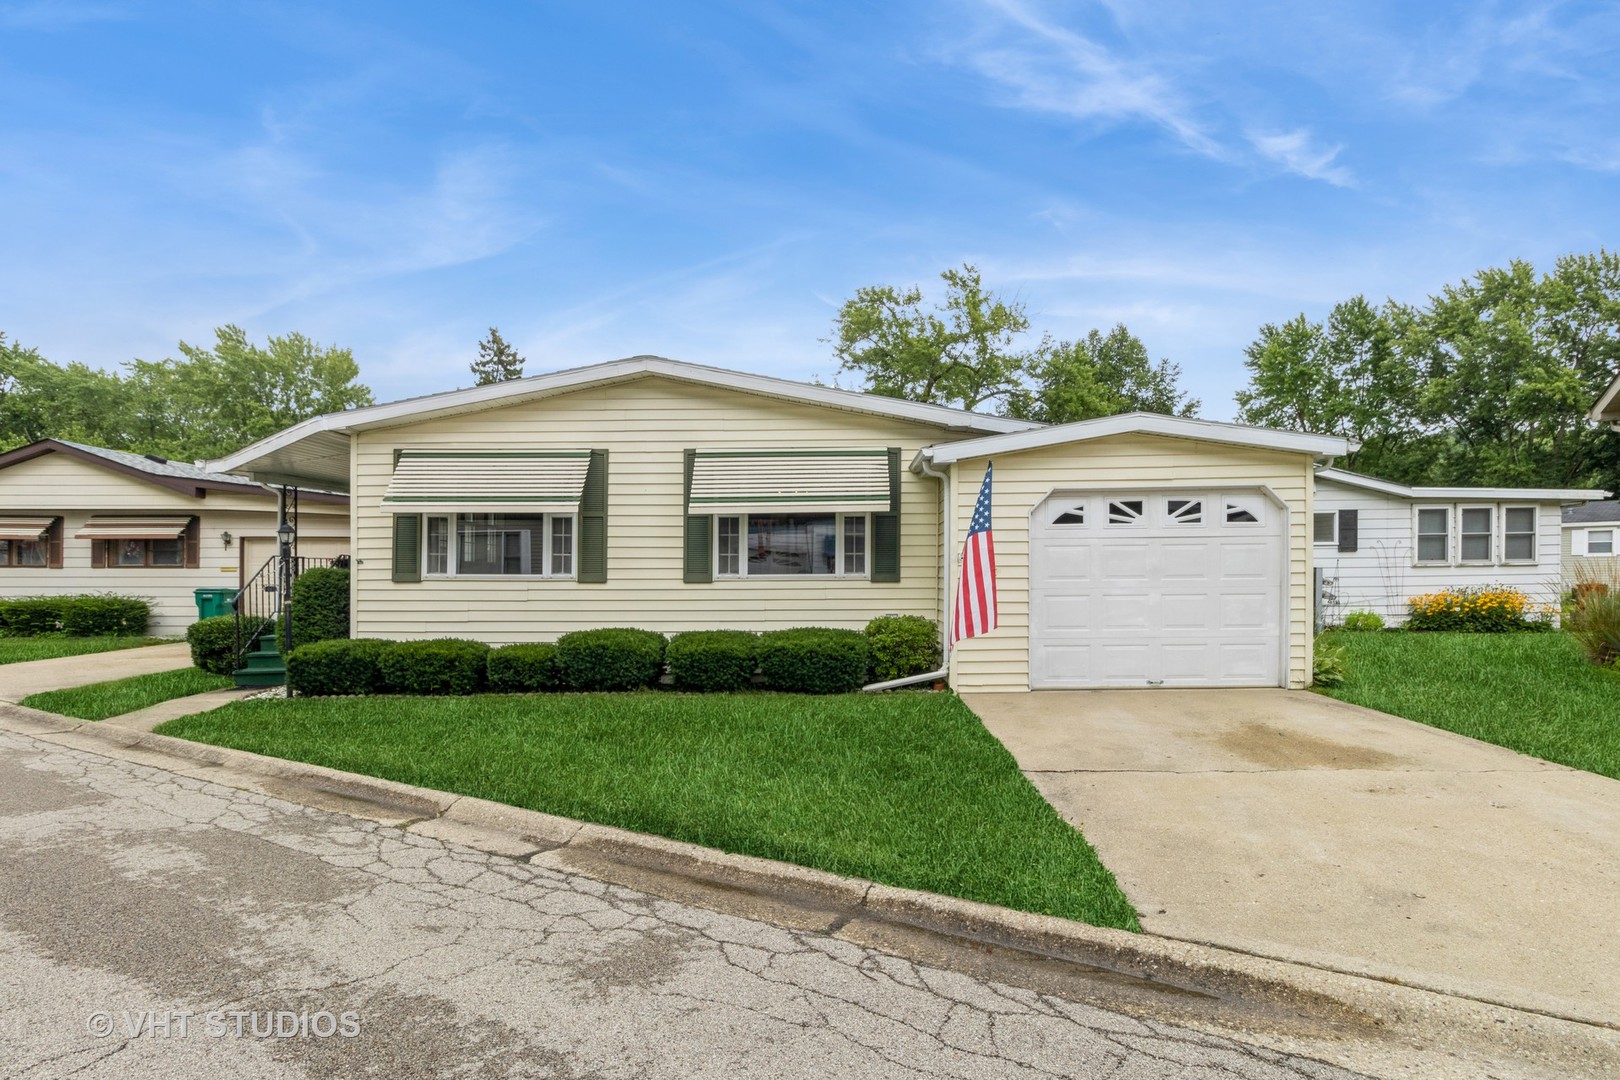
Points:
522	669
814	660
440	666
213	644
88	615
320	604
617	658
336	666
902	645
713	660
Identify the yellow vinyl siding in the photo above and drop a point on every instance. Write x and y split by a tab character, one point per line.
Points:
57	485
999	661
646	426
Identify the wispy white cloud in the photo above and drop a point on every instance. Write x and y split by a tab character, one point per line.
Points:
1293	150
1054	69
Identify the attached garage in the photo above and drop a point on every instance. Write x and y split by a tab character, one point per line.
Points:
1139	551
1159	587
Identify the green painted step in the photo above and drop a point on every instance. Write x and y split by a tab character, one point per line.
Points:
262	665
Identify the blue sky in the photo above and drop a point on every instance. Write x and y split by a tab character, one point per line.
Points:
710	181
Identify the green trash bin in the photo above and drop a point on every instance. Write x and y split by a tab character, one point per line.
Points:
211	602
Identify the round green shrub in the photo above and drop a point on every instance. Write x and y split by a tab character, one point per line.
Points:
713	661
320	605
1363	620
902	645
814	660
616	658
522	669
213	644
440	666
336	666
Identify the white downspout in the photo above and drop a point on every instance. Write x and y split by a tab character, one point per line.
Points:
925	467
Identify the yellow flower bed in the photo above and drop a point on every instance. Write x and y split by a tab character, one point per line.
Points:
1479	608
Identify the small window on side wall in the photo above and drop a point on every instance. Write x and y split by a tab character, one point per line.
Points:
1433	534
1475	534
1325	527
1600	542
1519	534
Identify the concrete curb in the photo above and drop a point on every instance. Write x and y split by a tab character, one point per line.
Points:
1409	1031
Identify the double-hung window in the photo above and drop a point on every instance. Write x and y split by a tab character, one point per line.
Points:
1600	542
1476	534
1434	534
1519	534
499	545
790	545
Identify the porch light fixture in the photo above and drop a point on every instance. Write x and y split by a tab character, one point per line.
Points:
226	538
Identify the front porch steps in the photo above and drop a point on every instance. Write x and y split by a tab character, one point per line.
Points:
262	665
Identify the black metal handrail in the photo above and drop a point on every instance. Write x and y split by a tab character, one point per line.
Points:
259	603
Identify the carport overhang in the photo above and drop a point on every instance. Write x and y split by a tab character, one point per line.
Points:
1322	448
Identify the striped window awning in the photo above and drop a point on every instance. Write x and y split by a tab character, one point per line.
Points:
457	481
132	528
24	528
789	481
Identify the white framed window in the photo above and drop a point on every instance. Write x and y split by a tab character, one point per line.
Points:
1600	541
1325	527
1433	534
499	545
1519	534
1476	534
792	545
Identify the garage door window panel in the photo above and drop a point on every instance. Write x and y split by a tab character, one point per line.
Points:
1071	514
1126	512
1244	512
1185	511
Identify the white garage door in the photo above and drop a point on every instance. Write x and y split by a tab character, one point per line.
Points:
1156	588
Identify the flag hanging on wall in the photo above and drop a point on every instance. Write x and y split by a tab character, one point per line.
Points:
976	588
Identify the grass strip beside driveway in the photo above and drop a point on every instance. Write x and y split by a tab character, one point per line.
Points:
904	789
1533	693
97	701
17	650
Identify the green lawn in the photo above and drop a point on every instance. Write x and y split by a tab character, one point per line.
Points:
905	789
101	700
1533	693
14	650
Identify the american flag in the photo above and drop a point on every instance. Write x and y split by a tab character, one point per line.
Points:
976	591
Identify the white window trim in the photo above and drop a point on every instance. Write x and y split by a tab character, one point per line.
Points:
1451	534
1334	539
742	542
453	554
1502	512
1586	541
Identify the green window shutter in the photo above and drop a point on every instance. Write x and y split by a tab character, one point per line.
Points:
407	547
593	521
886	528
699	568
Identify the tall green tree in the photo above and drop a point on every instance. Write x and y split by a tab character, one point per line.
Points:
958	353
497	361
1099	375
205	404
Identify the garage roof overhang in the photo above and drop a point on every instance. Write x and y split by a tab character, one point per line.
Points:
1320	447
315	453
1494	494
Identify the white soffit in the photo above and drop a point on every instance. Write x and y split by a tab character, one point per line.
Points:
758	482
466	481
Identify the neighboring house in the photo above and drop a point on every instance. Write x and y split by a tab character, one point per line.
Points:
1591	544
1607	409
81	519
1136	550
1377	543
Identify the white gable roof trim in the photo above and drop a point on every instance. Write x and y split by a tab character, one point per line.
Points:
1350	479
513	391
1322	447
1608	406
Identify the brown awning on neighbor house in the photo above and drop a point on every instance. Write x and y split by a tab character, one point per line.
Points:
24	528
114	528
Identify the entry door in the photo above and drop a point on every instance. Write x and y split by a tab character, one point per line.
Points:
1157	588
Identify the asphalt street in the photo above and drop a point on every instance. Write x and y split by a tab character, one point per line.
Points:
157	925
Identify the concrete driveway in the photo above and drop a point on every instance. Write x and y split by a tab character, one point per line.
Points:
17	681
1293	826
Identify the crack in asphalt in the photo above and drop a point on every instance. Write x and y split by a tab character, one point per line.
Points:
165	892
